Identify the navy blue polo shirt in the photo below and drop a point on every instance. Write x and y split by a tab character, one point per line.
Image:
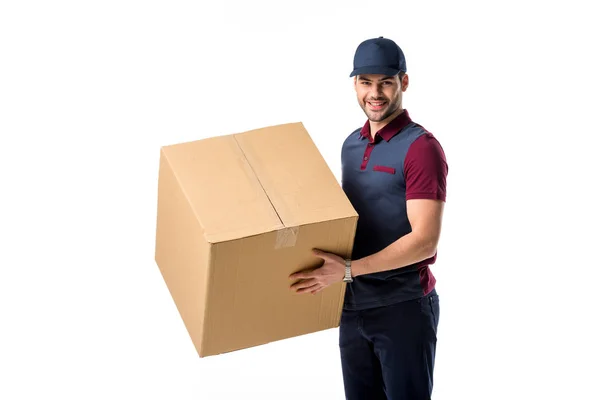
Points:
403	161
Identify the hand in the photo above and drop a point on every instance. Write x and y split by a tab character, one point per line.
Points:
332	271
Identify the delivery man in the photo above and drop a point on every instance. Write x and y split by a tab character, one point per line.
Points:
394	173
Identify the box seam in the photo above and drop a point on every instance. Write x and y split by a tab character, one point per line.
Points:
259	182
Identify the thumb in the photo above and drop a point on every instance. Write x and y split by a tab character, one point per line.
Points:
321	254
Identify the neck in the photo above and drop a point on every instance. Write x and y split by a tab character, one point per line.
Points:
376	126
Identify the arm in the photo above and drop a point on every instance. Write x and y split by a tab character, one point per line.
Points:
425	218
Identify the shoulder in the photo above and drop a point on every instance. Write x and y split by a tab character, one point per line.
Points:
425	169
425	146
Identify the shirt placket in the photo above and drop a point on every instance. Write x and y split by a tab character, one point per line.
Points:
367	154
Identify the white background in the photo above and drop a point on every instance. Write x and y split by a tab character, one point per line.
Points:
89	91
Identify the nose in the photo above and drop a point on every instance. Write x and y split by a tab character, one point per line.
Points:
375	91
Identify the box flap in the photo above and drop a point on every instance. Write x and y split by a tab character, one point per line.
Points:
294	175
229	201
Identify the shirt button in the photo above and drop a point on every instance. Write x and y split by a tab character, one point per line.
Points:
366	158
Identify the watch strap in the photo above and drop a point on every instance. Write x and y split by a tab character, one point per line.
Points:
348	270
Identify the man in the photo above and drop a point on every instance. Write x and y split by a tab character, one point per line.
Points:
394	173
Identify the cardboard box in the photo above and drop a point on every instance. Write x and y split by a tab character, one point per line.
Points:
237	214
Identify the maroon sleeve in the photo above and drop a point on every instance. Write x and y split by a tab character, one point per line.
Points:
425	169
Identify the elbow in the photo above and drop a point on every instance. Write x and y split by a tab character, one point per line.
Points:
430	252
429	248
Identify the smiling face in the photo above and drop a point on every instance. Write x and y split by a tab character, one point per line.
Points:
380	96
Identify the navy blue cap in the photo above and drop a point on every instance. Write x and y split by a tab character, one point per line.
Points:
379	56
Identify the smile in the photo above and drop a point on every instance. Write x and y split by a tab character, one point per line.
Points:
376	105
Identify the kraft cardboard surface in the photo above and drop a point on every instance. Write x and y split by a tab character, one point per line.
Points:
237	214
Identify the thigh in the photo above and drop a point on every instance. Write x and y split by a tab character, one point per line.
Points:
360	367
404	337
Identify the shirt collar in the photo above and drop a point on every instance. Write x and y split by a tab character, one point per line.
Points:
388	131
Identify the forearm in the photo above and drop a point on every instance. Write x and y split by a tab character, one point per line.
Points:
405	251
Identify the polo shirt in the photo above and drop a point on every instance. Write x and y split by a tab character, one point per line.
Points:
403	161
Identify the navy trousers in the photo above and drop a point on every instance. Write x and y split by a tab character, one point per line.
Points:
388	353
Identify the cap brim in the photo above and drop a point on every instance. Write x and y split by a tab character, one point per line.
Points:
375	70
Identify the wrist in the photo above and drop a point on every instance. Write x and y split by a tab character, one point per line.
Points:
358	267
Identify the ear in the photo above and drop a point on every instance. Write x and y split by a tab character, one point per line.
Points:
404	83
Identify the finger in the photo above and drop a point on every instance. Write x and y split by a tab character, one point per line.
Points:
303	284
302	275
308	288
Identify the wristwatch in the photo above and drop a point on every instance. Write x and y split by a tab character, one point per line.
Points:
348	275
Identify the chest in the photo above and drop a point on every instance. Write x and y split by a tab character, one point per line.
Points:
374	167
